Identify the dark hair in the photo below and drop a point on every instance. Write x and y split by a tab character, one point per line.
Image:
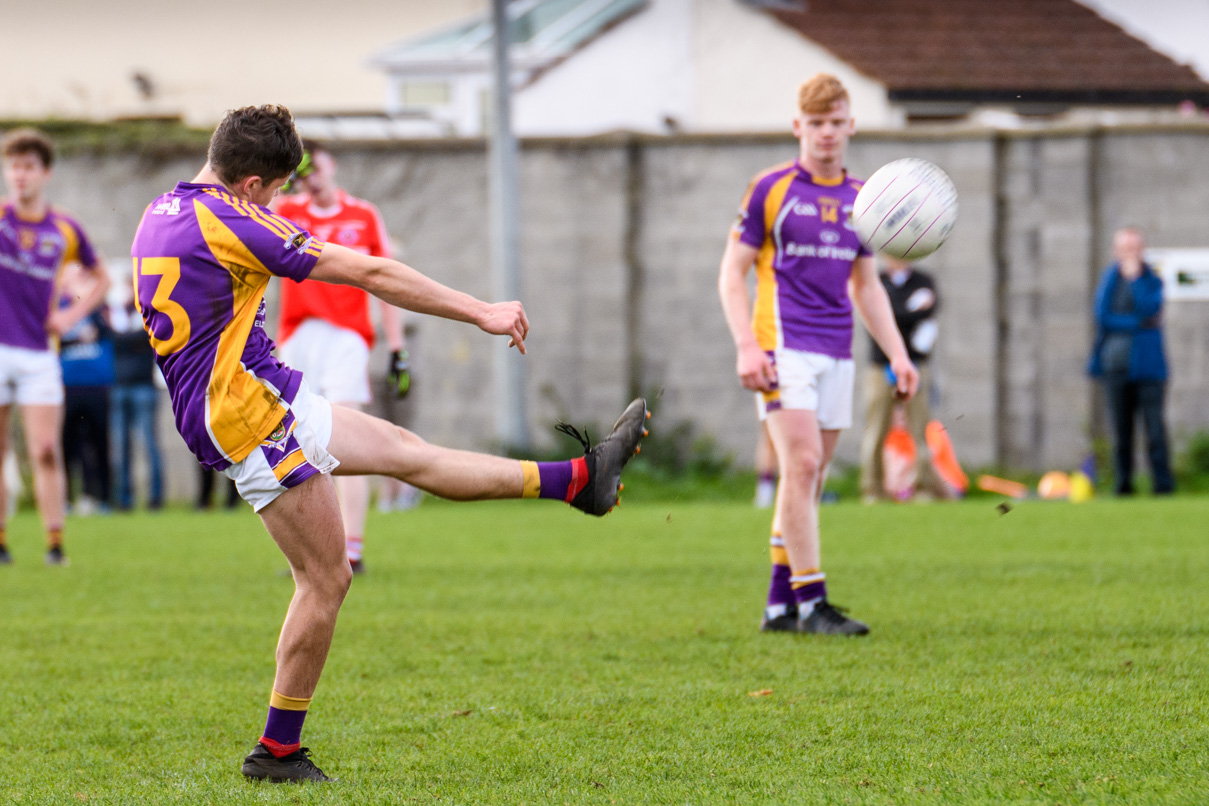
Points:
19	142
255	141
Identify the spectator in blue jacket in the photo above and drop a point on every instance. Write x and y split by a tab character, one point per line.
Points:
86	357
1128	355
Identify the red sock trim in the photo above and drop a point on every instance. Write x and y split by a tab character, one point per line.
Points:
579	478
278	749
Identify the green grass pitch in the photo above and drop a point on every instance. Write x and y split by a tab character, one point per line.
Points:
523	653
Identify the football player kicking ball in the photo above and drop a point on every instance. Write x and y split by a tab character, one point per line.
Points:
325	329
795	347
204	253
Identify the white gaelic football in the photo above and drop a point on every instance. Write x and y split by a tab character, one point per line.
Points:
905	209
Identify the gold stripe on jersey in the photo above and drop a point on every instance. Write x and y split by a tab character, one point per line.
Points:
751	188
764	322
251	211
243	411
71	241
71	253
269	220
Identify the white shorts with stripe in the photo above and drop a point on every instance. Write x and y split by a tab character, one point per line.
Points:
814	382
290	455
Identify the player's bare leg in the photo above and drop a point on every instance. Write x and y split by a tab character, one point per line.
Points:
799	446
366	445
43	428
5	557
781	610
305	523
805	450
354	503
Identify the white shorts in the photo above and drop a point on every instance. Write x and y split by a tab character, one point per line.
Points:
334	360
814	382
290	455
30	377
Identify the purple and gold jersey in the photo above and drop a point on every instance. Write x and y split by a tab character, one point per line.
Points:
202	262
32	253
802	227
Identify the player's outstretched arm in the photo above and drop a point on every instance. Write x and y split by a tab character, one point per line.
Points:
404	287
755	370
869	298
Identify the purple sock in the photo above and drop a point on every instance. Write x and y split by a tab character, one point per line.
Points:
810	591
562	480
283	731
780	592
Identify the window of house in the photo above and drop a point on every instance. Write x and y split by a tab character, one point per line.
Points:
423	93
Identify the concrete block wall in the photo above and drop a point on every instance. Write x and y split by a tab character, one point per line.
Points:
621	239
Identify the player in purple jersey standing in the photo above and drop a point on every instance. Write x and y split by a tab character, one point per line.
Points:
795	344
203	254
36	242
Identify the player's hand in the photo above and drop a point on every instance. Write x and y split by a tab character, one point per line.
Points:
399	373
755	368
507	319
59	322
906	378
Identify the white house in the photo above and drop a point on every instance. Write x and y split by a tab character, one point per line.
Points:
583	67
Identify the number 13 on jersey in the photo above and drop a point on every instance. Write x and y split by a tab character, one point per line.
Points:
168	270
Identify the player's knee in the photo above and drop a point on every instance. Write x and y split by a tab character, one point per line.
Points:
44	455
805	470
332	583
342	579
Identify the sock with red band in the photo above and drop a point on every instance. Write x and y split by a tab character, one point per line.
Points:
559	480
283	730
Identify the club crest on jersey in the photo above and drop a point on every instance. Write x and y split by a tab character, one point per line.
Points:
280	434
740	221
298	240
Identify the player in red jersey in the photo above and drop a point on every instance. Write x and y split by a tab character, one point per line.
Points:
324	329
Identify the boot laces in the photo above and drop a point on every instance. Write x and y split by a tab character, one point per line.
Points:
831	613
585	438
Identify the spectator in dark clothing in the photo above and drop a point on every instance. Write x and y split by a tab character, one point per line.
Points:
1128	355
914	300
205	490
86	355
133	403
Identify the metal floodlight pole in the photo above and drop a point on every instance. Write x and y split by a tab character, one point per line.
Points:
511	412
